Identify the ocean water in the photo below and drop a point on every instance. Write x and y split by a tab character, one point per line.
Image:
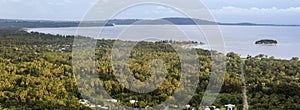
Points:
238	39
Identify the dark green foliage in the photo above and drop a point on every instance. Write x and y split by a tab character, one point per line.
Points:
37	74
266	41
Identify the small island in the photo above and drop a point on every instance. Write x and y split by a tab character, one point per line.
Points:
266	42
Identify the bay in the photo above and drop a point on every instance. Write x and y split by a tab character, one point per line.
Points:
238	39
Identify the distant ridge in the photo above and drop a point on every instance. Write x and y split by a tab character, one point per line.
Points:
163	21
14	23
191	21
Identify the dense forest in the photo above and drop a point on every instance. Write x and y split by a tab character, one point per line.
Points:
37	73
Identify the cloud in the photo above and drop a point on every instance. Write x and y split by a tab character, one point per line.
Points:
266	11
16	0
161	10
67	1
216	4
255	9
148	11
44	9
258	15
9	1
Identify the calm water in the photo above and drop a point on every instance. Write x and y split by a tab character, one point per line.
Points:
239	39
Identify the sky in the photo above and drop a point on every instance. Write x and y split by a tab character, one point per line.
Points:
254	11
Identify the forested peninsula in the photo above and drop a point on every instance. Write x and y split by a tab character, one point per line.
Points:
36	73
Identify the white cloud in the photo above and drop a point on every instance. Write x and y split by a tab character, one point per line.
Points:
16	0
12	1
67	1
266	11
44	9
149	12
272	9
258	15
161	10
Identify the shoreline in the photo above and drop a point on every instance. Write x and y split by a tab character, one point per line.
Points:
240	48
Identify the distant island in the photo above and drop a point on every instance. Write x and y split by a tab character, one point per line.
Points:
266	42
111	22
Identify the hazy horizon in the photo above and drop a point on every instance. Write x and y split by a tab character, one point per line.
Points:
229	11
